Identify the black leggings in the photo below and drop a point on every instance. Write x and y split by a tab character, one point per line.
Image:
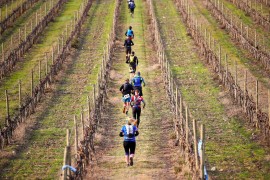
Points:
129	147
128	50
136	112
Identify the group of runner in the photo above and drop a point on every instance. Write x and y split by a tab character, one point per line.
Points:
132	95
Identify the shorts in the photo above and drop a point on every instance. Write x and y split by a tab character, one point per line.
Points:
128	50
125	100
132	69
129	147
132	10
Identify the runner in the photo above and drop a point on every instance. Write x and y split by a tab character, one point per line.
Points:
126	90
131	6
136	106
129	131
129	33
127	44
133	63
137	82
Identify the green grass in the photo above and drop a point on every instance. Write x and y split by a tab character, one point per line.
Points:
228	145
19	23
47	140
248	21
10	7
152	142
234	52
31	59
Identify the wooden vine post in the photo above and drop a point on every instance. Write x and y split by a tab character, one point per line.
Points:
195	143
202	152
76	137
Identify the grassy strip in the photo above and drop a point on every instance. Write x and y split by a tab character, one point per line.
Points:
235	53
260	7
248	21
152	143
202	95
9	7
45	146
12	34
31	61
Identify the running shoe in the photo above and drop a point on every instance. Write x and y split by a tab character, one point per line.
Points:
131	161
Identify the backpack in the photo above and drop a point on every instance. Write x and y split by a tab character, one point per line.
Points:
131	59
132	5
130	132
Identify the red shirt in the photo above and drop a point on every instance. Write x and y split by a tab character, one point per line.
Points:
137	101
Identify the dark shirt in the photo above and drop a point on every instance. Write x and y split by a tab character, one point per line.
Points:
126	89
135	61
128	43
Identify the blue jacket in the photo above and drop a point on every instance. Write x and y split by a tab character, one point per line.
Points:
137	81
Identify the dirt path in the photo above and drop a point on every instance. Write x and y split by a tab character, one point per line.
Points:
155	154
40	154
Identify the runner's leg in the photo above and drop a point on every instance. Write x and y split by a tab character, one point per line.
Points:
126	147
138	113
132	152
134	112
127	107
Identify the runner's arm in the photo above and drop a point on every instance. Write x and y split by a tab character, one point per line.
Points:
143	103
121	88
132	43
143	82
136	133
121	134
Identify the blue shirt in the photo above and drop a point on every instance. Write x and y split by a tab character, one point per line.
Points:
137	81
129	32
129	132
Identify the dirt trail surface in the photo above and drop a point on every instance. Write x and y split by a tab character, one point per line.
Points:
155	155
40	154
230	146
